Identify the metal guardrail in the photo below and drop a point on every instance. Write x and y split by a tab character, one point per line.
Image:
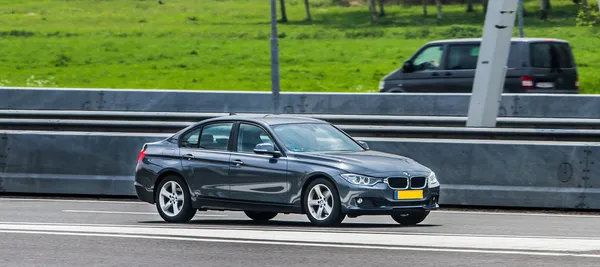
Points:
441	121
363	126
355	130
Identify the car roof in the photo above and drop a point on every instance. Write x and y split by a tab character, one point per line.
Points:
470	40
270	119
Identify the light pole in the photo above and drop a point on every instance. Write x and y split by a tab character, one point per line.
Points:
274	50
522	18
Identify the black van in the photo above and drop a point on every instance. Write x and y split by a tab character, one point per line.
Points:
535	65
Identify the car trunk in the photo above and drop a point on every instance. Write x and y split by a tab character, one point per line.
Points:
552	67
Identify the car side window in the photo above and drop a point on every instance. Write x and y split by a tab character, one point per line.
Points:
463	57
249	136
190	139
215	136
429	59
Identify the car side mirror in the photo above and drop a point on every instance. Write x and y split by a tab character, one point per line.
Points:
408	67
266	148
364	144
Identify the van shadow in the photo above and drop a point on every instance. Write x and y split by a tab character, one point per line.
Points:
290	224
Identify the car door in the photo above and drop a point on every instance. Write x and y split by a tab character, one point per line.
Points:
426	73
254	177
205	158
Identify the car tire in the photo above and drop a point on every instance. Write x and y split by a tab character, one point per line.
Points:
174	208
410	218
260	216
323	202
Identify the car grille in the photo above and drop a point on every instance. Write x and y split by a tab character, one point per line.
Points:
403	182
398	182
417	182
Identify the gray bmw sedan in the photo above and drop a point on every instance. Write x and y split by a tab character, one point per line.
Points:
265	165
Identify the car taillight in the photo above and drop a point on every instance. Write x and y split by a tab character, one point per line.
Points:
527	82
577	83
141	155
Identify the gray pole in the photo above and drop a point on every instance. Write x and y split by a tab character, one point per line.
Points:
274	50
521	19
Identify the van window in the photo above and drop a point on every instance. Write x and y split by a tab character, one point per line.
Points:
551	55
429	58
465	56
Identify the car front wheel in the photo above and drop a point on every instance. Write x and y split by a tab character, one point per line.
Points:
173	200
322	203
410	218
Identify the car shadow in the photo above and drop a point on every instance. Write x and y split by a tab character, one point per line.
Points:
290	224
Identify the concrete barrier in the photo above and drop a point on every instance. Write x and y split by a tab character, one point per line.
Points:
69	163
508	173
487	173
514	105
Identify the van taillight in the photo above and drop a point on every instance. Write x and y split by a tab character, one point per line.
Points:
141	155
527	82
577	83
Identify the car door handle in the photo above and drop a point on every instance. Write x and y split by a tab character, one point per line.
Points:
237	162
435	74
188	156
448	74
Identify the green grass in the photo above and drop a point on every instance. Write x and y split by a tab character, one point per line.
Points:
224	44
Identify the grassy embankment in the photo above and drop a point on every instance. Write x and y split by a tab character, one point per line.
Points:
224	45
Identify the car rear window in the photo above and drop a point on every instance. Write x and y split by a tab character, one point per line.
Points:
551	55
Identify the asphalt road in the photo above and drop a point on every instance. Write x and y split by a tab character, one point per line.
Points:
37	232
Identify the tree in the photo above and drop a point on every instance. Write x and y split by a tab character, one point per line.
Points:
373	10
283	13
470	6
381	10
307	7
438	4
545	9
424	7
485	5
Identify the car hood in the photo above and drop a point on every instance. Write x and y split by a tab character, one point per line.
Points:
372	163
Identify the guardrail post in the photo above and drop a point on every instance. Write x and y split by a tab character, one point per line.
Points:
491	64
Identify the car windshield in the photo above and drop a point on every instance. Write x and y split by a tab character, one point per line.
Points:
314	137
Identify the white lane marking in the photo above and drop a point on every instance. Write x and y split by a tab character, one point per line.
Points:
442	211
110	212
178	238
132	213
359	239
516	214
14	199
275	228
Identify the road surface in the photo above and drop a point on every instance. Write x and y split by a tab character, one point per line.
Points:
53	232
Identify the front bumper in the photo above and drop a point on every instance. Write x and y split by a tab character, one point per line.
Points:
379	201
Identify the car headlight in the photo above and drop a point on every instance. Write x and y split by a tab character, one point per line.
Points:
358	179
433	181
381	85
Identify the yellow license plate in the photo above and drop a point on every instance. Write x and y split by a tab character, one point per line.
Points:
409	194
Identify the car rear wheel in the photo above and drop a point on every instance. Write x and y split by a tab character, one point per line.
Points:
322	203
260	216
410	218
173	200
